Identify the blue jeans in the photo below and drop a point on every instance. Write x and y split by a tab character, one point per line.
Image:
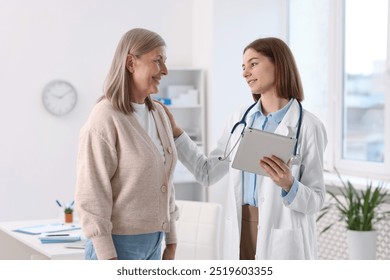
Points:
132	247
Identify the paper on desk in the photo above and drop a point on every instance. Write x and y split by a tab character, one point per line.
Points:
38	229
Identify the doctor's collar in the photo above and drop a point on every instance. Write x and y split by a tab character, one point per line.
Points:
277	116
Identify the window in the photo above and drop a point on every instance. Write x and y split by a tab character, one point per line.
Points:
341	48
365	48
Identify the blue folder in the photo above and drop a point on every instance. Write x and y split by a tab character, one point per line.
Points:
38	229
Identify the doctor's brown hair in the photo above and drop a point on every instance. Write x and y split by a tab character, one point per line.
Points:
287	79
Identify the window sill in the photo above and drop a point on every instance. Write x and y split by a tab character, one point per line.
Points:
332	181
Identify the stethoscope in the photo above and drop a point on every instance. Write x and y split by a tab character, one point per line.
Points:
295	159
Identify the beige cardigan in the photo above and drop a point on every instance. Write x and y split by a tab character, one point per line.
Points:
123	185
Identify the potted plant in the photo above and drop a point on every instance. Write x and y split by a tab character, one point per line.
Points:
361	211
69	213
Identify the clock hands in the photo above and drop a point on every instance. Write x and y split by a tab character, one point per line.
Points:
60	96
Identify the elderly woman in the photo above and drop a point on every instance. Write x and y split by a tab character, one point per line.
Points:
124	194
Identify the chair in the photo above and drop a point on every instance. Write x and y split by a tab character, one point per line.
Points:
198	230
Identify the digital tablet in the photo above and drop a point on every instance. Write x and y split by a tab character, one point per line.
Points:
256	144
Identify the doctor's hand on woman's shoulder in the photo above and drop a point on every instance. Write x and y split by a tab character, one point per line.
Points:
177	131
279	171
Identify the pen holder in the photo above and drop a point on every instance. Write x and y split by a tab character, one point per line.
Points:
68	217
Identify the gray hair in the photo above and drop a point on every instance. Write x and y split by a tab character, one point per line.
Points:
117	89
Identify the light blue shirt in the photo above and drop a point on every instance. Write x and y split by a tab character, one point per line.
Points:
251	181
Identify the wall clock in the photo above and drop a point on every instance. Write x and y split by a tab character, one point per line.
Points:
59	97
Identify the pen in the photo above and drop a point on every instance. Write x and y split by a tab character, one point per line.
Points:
59	204
71	204
57	234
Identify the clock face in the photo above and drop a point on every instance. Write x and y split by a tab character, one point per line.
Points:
59	97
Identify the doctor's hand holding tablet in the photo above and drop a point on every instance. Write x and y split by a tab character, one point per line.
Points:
278	170
271	154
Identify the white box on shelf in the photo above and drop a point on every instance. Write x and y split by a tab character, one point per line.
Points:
192	97
175	91
183	95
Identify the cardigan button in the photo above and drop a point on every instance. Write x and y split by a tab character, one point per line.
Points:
169	149
164	189
165	226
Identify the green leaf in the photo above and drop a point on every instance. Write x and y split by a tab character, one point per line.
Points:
358	209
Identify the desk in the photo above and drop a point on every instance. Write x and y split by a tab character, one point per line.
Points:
20	246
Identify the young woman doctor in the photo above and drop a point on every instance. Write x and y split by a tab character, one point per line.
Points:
275	215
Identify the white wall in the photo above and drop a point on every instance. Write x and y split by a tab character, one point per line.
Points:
73	40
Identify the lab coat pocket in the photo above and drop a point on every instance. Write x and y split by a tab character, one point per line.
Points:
286	244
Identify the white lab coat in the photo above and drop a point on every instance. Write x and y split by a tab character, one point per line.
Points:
284	231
